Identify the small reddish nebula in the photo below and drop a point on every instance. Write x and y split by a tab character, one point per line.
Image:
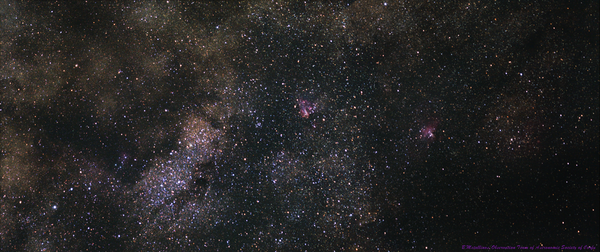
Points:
306	107
427	132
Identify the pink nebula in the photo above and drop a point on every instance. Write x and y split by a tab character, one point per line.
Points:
427	132
306	107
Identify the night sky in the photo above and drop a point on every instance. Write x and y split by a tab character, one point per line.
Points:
266	125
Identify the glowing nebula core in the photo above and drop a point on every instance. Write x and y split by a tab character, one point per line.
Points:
428	131
306	107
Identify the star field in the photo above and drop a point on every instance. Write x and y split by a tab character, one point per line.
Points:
298	126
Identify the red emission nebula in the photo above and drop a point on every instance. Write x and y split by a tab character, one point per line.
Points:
427	133
306	107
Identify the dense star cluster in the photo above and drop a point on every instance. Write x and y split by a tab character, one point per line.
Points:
298	125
